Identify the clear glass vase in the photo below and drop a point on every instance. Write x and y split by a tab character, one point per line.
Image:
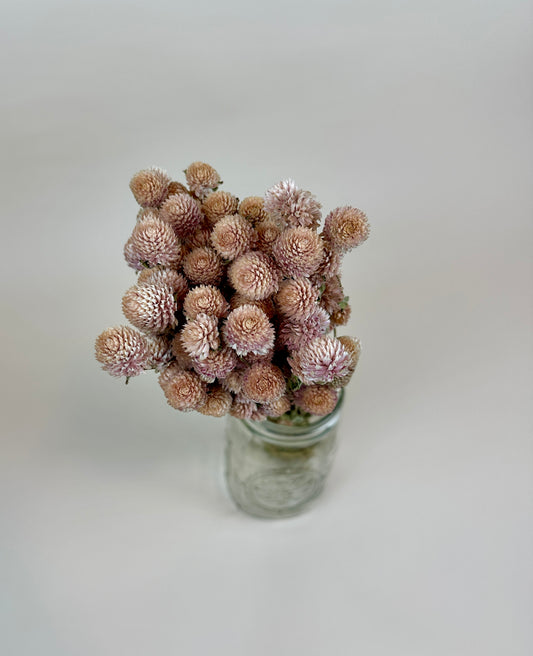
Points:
277	470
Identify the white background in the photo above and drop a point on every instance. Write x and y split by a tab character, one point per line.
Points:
116	536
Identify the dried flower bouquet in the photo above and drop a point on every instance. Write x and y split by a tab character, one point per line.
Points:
236	303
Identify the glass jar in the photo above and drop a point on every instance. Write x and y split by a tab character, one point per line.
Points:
276	470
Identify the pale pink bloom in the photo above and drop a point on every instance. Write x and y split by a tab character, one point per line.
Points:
183	359
217	365
203	266
298	251
320	361
207	299
150	307
218	402
263	382
231	236
292	206
185	390
242	408
296	334
248	330
331	261
157	276
122	351
200	335
266	233
277	407
254	275
132	256
160	350
297	298
346	227
219	204
155	242
150	186
202	179
182	213
332	294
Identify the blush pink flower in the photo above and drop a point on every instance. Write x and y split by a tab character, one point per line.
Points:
316	399
248	330
277	407
219	204
150	307
150	186
254	275
170	277
203	266
296	334
266	233
217	365
298	251
205	299
292	206
320	361
122	351
160	351
297	298
242	408
232	236
218	402
182	213
202	179
200	335
185	390
155	243
346	227
263	383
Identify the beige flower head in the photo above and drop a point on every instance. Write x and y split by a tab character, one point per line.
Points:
353	347
263	383
201	237
150	186
332	295
155	242
231	236
183	359
207	299
168	373
233	381
297	298
203	266
185	390
218	402
321	361
170	277
316	399
252	209
292	206
298	251
248	330
277	407
200	335
181	212
219	204
346	228
217	365
202	179
122	351
341	316
254	275
160	350
150	307
296	334
132	256
242	408
266	233
331	261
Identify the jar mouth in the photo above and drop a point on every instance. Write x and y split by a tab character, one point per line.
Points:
288	435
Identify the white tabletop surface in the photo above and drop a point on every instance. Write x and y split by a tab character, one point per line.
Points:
116	534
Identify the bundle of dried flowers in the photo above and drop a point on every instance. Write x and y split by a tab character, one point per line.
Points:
236	303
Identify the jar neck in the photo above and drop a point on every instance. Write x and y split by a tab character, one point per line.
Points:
295	436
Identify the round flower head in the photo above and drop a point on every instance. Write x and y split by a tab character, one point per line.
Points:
233	381
292	206
155	242
346	228
168	373
297	299
219	204
266	304
331	261
320	361
201	237
183	359
150	307
254	275
231	236
122	351
296	334
160	350
252	209
170	277
277	407
202	178
242	408
316	399
200	335
150	186
332	294
132	256
177	188
207	299
298	251
185	390
248	330
266	233
353	346
263	383
217	365
203	266
341	316
218	402
182	213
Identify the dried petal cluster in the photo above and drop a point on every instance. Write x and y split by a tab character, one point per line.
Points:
235	302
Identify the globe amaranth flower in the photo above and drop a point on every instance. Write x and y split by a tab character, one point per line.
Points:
297	298
200	335
185	390
346	227
254	275
150	307
320	361
277	407
296	334
298	251
155	243
122	351
203	266
219	204
201	237
331	261
183	359
341	316
263	383
332	294
232	236
252	209
242	408
316	399
160	351
292	206
206	299
182	213
218	402
132	256
266	233
168	373
202	179
233	381
353	346
248	330
150	186
217	365
161	276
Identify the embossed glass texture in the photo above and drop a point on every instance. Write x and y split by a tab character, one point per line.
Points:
274	470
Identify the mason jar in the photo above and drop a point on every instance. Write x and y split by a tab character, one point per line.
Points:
277	470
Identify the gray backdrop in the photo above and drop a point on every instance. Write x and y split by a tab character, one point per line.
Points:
116	535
